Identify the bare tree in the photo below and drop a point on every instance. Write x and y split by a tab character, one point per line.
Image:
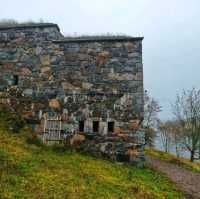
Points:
187	112
151	109
170	133
177	137
165	130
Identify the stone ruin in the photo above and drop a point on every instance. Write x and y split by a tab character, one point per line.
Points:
87	91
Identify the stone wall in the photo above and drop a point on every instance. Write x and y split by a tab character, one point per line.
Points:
85	79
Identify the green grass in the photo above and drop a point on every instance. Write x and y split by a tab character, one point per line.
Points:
40	172
183	162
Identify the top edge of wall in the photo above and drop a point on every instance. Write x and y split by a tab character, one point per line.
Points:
27	26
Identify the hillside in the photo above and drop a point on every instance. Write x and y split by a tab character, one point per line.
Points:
34	171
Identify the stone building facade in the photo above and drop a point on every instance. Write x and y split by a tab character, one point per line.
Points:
92	85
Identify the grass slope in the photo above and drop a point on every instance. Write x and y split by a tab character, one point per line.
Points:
38	172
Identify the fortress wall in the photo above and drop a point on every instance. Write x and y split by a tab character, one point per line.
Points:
80	79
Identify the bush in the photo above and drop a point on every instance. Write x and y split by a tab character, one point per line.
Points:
11	120
12	22
15	122
32	138
59	149
8	22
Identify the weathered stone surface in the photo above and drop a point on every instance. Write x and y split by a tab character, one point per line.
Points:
102	58
45	69
134	125
38	50
45	60
67	86
89	81
86	85
54	103
28	92
110	147
25	71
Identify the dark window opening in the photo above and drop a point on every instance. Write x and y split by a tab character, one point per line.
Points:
123	158
81	126
15	80
111	127
95	126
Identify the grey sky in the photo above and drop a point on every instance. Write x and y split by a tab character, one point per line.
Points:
171	28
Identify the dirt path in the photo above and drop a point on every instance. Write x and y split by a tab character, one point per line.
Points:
187	181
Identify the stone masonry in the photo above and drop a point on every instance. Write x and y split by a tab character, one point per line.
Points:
86	89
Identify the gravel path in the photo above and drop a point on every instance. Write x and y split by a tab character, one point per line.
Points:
187	181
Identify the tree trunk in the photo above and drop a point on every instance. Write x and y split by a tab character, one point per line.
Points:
165	146
199	150
177	151
192	156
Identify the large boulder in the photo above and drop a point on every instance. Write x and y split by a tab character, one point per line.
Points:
77	140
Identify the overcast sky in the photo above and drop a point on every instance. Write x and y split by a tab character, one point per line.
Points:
171	29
